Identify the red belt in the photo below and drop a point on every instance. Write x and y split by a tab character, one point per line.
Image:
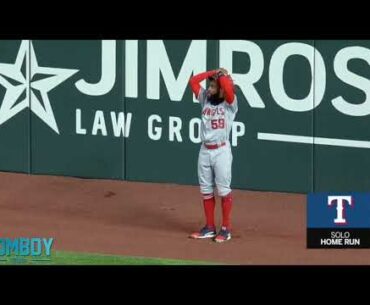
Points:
214	146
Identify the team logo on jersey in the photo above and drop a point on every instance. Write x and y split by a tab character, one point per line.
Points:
27	85
208	111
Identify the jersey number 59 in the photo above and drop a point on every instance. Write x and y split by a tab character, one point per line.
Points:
218	124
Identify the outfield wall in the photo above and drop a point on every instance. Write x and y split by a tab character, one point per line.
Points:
123	110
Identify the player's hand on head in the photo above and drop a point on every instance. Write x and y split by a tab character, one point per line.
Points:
222	71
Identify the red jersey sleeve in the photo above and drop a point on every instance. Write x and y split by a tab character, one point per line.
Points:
197	79
227	85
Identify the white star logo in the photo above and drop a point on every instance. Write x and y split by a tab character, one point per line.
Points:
26	89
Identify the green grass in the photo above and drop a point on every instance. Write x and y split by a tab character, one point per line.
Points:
75	258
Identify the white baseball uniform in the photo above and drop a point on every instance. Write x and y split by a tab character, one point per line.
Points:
214	165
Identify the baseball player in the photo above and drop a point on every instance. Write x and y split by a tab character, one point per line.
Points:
219	107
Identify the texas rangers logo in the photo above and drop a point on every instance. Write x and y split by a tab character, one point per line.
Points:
340	202
338	220
27	85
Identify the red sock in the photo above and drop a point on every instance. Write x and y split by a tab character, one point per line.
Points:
209	209
227	203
